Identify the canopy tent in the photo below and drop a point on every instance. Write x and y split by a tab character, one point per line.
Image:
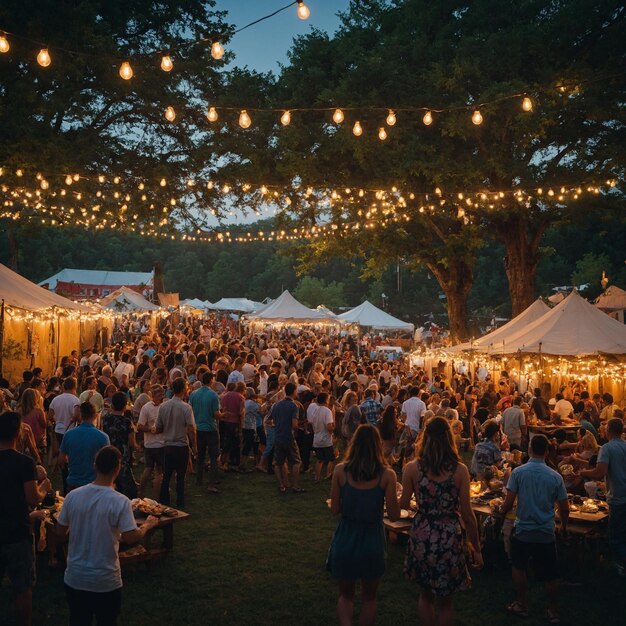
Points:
125	300
613	299
287	309
367	314
240	305
324	309
196	303
497	339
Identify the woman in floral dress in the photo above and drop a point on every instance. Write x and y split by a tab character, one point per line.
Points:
436	552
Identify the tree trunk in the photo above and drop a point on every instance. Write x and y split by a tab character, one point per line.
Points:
13	247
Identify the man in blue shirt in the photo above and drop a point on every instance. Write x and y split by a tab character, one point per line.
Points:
80	446
537	488
206	410
370	408
612	467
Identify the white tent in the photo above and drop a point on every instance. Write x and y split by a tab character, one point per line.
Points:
572	328
367	314
126	300
241	305
196	303
497	340
287	309
613	299
324	309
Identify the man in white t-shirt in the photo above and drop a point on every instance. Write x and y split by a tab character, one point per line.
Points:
124	367
412	411
321	419
98	516
153	442
563	407
514	424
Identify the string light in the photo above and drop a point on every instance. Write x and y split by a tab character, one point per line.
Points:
170	114
217	51
163	182
391	118
5	46
303	10
43	58
166	63
244	119
428	118
382	134
527	104
477	118
68	180
357	129
338	116
212	114
285	118
126	71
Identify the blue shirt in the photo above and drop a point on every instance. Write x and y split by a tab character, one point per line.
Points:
235	377
486	454
205	403
81	444
590	428
252	417
283	413
371	410
538	488
613	454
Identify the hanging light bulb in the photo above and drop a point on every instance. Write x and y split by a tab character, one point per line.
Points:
428	118
382	134
170	114
357	129
303	10
166	63
68	180
338	116
126	71
391	118
43	58
477	118
527	104
101	178
44	184
285	118
212	115
217	51
5	46
244	119
163	182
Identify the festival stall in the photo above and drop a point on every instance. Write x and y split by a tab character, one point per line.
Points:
125	300
613	302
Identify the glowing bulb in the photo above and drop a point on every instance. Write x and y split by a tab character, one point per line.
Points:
44	184
285	118
338	116
68	180
382	134
212	115
244	119
527	104
43	58
76	177
19	173
170	114
391	118
126	71
477	118
428	118
303	10
217	51
163	182
167	64
140	186
357	129
4	44
101	178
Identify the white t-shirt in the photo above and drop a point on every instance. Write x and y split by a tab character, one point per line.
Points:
413	408
319	417
96	517
512	419
564	408
148	417
63	407
123	368
249	372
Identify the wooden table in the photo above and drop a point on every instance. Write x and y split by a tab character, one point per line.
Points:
400	527
548	429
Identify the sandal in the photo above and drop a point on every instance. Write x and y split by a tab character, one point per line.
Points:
517	608
553	618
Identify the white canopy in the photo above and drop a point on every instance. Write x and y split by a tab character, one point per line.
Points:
126	300
287	309
613	299
367	314
497	339
572	328
19	292
242	305
99	277
324	309
196	303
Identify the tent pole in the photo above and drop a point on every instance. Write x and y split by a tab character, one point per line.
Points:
541	364
1	335
58	338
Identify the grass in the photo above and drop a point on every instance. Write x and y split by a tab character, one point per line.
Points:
253	556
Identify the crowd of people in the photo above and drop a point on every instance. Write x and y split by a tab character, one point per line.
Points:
193	400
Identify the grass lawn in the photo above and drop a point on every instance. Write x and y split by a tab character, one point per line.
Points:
253	556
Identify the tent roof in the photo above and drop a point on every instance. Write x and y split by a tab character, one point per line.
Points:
125	299
287	309
366	314
613	299
242	305
196	303
98	277
572	328
17	291
324	309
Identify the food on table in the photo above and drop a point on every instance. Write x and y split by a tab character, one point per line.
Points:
147	506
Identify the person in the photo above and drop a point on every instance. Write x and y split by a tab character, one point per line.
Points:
563	408
514	424
233	411
20	490
175	420
153	442
611	465
412	412
389	426
608	408
370	407
252	417
487	453
537	489
31	404
352	416
539	406
80	446
321	419
435	556
361	486
91	394
96	518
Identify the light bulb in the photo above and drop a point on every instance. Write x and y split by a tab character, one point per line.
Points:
382	134
527	104
126	71
477	118
163	182
217	51
285	118
166	64
19	173
244	119
43	58
212	115
101	178
44	184
5	46
391	118
338	116
68	180
428	118
303	10
170	114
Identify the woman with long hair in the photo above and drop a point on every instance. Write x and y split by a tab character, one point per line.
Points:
436	556
31	406
361	486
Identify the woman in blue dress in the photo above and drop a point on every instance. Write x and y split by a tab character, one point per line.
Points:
361	485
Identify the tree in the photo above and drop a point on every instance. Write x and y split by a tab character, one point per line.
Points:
313	292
